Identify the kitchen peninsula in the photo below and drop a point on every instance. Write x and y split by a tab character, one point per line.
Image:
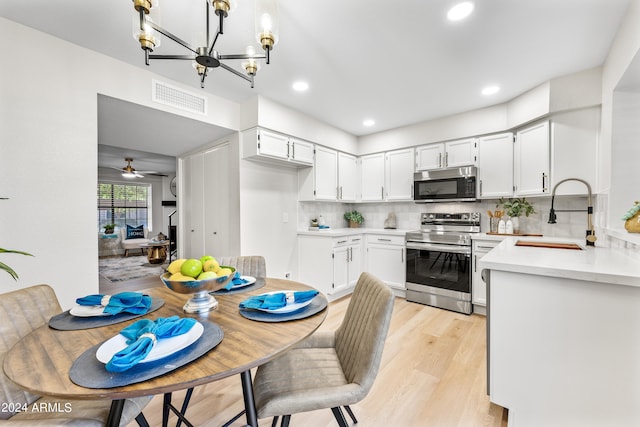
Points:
562	334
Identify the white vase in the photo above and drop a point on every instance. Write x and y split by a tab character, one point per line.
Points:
515	221
509	226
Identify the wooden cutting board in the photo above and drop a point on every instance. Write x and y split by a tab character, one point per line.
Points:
553	245
518	234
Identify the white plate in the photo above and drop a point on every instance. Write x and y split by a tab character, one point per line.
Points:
287	308
250	281
163	347
88	311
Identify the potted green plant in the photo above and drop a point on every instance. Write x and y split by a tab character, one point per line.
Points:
8	269
109	228
354	218
514	209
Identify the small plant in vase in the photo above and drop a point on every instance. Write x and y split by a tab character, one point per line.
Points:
514	209
109	228
354	218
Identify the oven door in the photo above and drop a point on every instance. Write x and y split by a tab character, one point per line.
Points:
439	275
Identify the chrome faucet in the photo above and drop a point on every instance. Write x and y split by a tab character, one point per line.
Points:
591	233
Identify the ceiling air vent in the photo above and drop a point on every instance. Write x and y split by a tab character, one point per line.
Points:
178	98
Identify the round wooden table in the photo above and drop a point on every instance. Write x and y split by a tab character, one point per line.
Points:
40	362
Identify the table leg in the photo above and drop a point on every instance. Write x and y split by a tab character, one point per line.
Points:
249	403
115	413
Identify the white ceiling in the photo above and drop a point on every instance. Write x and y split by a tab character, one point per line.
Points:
396	62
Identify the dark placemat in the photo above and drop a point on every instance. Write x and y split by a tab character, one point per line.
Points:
318	303
260	282
67	322
87	371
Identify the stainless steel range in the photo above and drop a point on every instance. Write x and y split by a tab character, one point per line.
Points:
439	260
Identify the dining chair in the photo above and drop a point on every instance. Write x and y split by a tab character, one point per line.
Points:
330	369
23	311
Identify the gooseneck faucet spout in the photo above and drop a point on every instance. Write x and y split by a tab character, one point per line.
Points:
591	233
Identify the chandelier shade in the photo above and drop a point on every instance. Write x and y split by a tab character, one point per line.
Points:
148	31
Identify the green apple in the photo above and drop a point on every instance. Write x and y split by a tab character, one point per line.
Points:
191	267
207	275
205	258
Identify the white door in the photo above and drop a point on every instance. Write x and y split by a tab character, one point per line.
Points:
193	207
355	260
340	268
301	151
460	153
372	177
495	166
399	174
273	144
429	157
347	177
216	193
532	160
326	174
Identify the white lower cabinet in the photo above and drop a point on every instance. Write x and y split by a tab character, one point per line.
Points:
330	264
478	287
386	259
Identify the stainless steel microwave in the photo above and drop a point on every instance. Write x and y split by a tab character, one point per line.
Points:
445	185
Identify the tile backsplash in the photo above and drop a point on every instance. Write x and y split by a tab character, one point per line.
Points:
569	224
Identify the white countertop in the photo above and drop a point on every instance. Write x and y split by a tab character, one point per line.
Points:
336	232
597	264
485	236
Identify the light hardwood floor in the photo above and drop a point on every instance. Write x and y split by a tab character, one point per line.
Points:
432	374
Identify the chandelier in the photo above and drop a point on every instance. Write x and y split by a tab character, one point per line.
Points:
205	56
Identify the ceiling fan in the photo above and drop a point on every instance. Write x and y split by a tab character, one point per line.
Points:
129	171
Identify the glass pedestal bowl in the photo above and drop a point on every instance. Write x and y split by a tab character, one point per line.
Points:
201	301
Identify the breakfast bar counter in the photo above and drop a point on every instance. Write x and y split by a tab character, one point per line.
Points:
562	334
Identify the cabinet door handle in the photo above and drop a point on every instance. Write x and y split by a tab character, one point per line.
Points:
402	256
341	241
341	192
446	159
439	160
544	182
382	193
350	254
288	147
481	187
384	240
293	150
475	263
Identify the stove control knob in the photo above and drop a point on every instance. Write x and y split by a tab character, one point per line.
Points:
465	216
431	216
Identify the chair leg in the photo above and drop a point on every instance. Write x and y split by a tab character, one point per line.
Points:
351	414
141	420
285	420
274	422
337	412
126	253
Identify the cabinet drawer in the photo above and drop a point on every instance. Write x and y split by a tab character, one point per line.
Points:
346	240
485	245
385	239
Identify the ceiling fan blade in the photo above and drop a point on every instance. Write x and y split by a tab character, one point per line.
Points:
153	173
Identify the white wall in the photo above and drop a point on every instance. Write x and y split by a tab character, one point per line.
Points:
48	154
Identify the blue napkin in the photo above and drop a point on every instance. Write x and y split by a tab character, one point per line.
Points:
123	302
142	336
236	280
277	299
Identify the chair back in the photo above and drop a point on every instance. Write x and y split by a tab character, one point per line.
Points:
22	311
254	266
360	338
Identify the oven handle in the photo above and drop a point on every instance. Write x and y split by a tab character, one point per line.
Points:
466	250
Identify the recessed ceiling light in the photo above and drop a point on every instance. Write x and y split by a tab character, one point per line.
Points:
460	11
490	90
300	86
368	122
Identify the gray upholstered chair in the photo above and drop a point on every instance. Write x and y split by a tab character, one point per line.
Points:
28	309
253	265
330	369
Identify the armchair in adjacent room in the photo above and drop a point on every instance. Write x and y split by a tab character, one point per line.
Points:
133	237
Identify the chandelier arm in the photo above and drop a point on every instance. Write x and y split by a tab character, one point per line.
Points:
237	73
243	56
172	36
191	57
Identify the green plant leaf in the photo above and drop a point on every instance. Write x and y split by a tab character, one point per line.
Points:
9	270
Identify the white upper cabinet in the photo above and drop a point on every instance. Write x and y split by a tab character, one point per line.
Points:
347	177
325	172
399	174
274	147
531	161
495	165
372	177
446	155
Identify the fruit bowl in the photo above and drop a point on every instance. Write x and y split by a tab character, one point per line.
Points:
201	301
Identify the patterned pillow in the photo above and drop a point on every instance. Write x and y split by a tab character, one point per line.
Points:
135	232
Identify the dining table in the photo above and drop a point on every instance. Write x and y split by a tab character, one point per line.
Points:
40	362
